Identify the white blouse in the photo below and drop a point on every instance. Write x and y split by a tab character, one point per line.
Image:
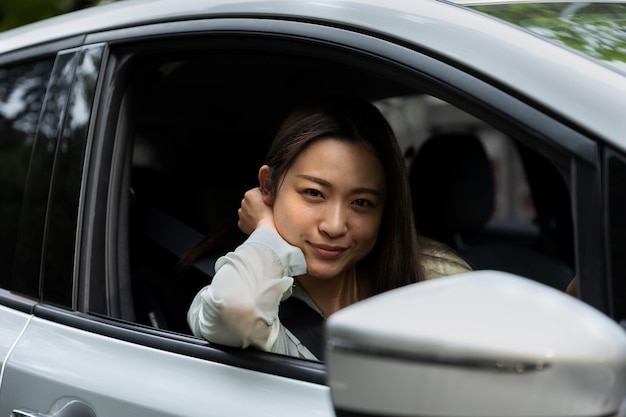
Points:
240	306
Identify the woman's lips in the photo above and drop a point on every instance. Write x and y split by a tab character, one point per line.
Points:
326	251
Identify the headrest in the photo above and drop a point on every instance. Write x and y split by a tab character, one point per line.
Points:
452	186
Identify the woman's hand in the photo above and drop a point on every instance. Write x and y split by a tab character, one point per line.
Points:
254	213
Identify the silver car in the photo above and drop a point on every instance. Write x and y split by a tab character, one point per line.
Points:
129	132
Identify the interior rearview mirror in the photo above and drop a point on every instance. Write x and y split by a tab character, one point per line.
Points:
483	343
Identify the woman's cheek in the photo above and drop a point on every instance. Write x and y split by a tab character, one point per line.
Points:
289	221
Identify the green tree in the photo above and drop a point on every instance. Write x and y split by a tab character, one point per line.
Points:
14	13
596	29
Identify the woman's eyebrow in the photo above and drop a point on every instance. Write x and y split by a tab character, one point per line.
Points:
327	184
314	179
366	190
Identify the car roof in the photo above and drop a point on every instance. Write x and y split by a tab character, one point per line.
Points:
542	70
128	13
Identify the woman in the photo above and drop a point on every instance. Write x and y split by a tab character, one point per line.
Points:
330	224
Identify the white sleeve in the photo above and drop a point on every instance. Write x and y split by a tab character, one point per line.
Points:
240	307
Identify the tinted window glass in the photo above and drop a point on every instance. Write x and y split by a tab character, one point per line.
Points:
66	182
22	90
28	254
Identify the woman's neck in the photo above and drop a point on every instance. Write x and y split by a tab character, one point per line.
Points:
332	294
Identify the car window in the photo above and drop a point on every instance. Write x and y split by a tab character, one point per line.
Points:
508	209
22	91
197	121
416	118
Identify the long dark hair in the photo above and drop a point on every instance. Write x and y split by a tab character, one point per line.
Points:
395	259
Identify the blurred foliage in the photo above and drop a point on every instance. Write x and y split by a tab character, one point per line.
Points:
14	13
596	29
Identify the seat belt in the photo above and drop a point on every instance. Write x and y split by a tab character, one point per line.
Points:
305	323
174	236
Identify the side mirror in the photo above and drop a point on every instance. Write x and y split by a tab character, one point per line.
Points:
483	343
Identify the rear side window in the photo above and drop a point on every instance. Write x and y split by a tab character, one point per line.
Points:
22	91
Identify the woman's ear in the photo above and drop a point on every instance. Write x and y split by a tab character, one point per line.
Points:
265	182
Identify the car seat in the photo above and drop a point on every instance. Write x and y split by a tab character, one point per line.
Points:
453	193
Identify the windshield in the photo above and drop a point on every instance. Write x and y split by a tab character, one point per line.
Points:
596	29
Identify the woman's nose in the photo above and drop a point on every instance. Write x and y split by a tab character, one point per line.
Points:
334	221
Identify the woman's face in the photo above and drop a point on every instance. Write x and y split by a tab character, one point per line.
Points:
330	205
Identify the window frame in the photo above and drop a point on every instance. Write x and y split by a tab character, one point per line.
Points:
614	198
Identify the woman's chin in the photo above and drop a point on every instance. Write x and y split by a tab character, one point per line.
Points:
323	273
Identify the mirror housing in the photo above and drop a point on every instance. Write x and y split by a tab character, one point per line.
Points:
483	343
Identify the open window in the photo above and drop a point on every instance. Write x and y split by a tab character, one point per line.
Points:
196	121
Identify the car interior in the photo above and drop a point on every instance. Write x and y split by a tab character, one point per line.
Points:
199	122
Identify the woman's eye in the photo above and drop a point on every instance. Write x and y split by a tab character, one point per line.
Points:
312	192
362	203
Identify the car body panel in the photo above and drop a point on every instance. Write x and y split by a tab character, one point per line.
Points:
12	324
57	362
